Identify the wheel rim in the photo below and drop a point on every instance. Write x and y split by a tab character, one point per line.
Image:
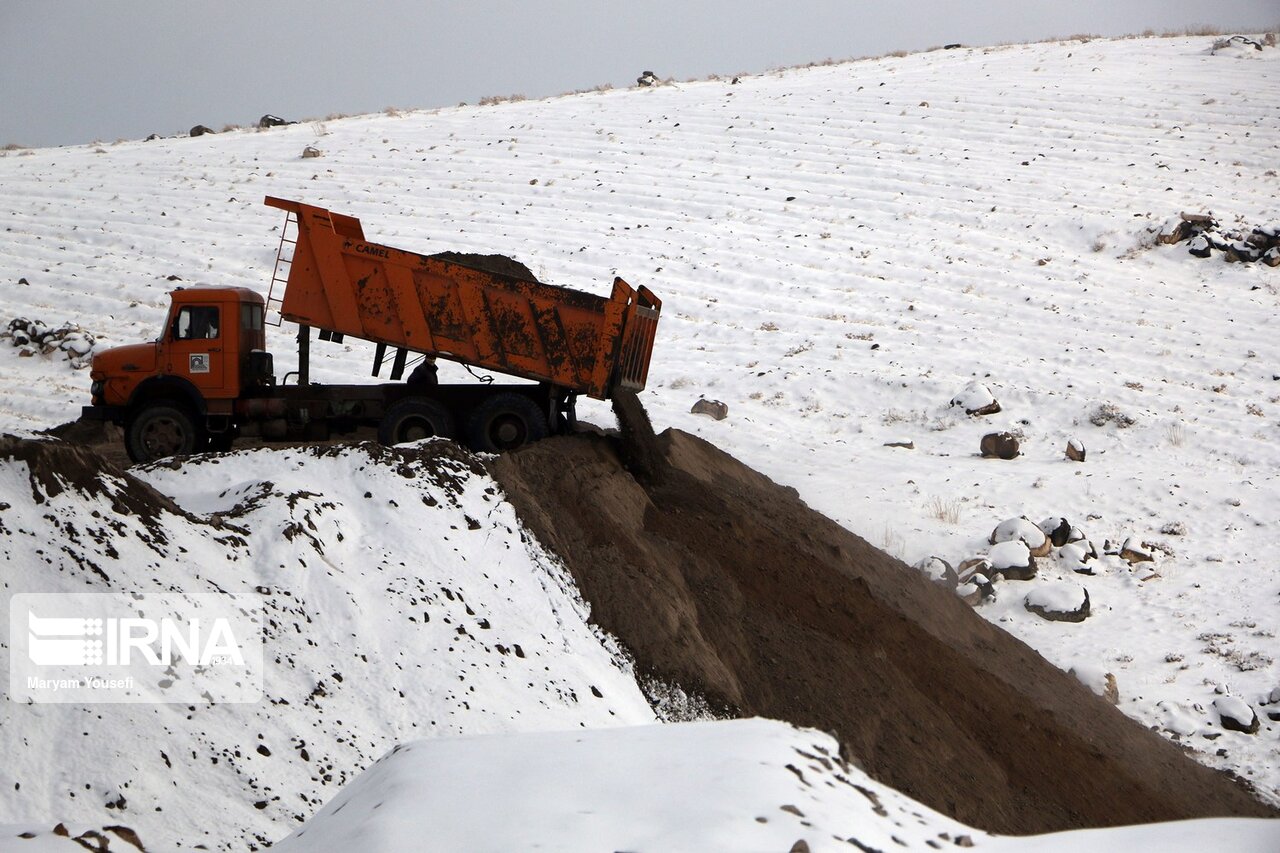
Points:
163	436
508	431
416	429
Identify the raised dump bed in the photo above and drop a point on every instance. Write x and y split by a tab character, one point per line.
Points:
342	284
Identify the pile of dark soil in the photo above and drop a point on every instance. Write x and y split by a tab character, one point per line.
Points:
496	264
723	582
54	467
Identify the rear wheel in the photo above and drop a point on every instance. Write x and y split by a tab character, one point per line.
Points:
414	419
163	429
505	422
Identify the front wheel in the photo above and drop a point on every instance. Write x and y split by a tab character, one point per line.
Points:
505	422
414	419
162	430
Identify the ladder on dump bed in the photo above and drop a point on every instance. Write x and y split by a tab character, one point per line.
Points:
280	275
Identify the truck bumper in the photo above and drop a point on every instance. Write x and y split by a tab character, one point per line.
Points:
114	414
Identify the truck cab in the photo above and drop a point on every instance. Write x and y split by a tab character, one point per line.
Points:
210	353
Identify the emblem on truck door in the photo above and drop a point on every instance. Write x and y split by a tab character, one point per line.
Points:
199	362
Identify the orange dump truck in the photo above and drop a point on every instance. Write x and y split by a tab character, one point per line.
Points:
209	378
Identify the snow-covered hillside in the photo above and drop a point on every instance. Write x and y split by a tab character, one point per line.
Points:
841	250
401	602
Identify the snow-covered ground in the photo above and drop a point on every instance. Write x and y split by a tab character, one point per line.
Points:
401	602
841	250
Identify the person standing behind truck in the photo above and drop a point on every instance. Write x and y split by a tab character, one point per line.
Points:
425	374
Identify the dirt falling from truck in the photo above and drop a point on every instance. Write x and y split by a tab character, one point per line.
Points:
721	581
638	445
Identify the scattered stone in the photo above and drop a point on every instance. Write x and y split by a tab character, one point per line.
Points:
1075	450
972	566
906	445
648	78
1131	552
1174	528
1013	560
977	400
1022	530
1174	230
1200	246
1224	43
939	571
1237	245
201	130
1240	253
1077	535
311	151
1102	683
800	846
1060	602
999	445
269	120
975	584
1109	413
977	590
1058	530
1074	557
33	337
1274	699
1236	715
712	408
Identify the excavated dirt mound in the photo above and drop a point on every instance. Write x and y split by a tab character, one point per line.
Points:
723	582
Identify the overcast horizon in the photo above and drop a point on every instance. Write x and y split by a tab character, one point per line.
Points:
81	71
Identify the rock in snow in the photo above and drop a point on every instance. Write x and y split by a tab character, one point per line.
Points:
1058	530
977	400
999	445
938	570
1133	552
1236	715
1023	530
1013	560
712	408
1059	602
1098	680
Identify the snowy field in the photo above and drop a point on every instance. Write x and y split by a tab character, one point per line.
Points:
841	250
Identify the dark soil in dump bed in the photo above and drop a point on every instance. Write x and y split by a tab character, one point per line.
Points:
723	582
497	264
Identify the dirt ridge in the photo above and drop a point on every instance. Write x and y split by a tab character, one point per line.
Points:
719	580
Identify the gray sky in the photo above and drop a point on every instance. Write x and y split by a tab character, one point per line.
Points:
74	71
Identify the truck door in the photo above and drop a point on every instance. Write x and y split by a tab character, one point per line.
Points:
196	343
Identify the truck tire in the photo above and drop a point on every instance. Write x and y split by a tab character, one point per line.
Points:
504	422
413	419
163	429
